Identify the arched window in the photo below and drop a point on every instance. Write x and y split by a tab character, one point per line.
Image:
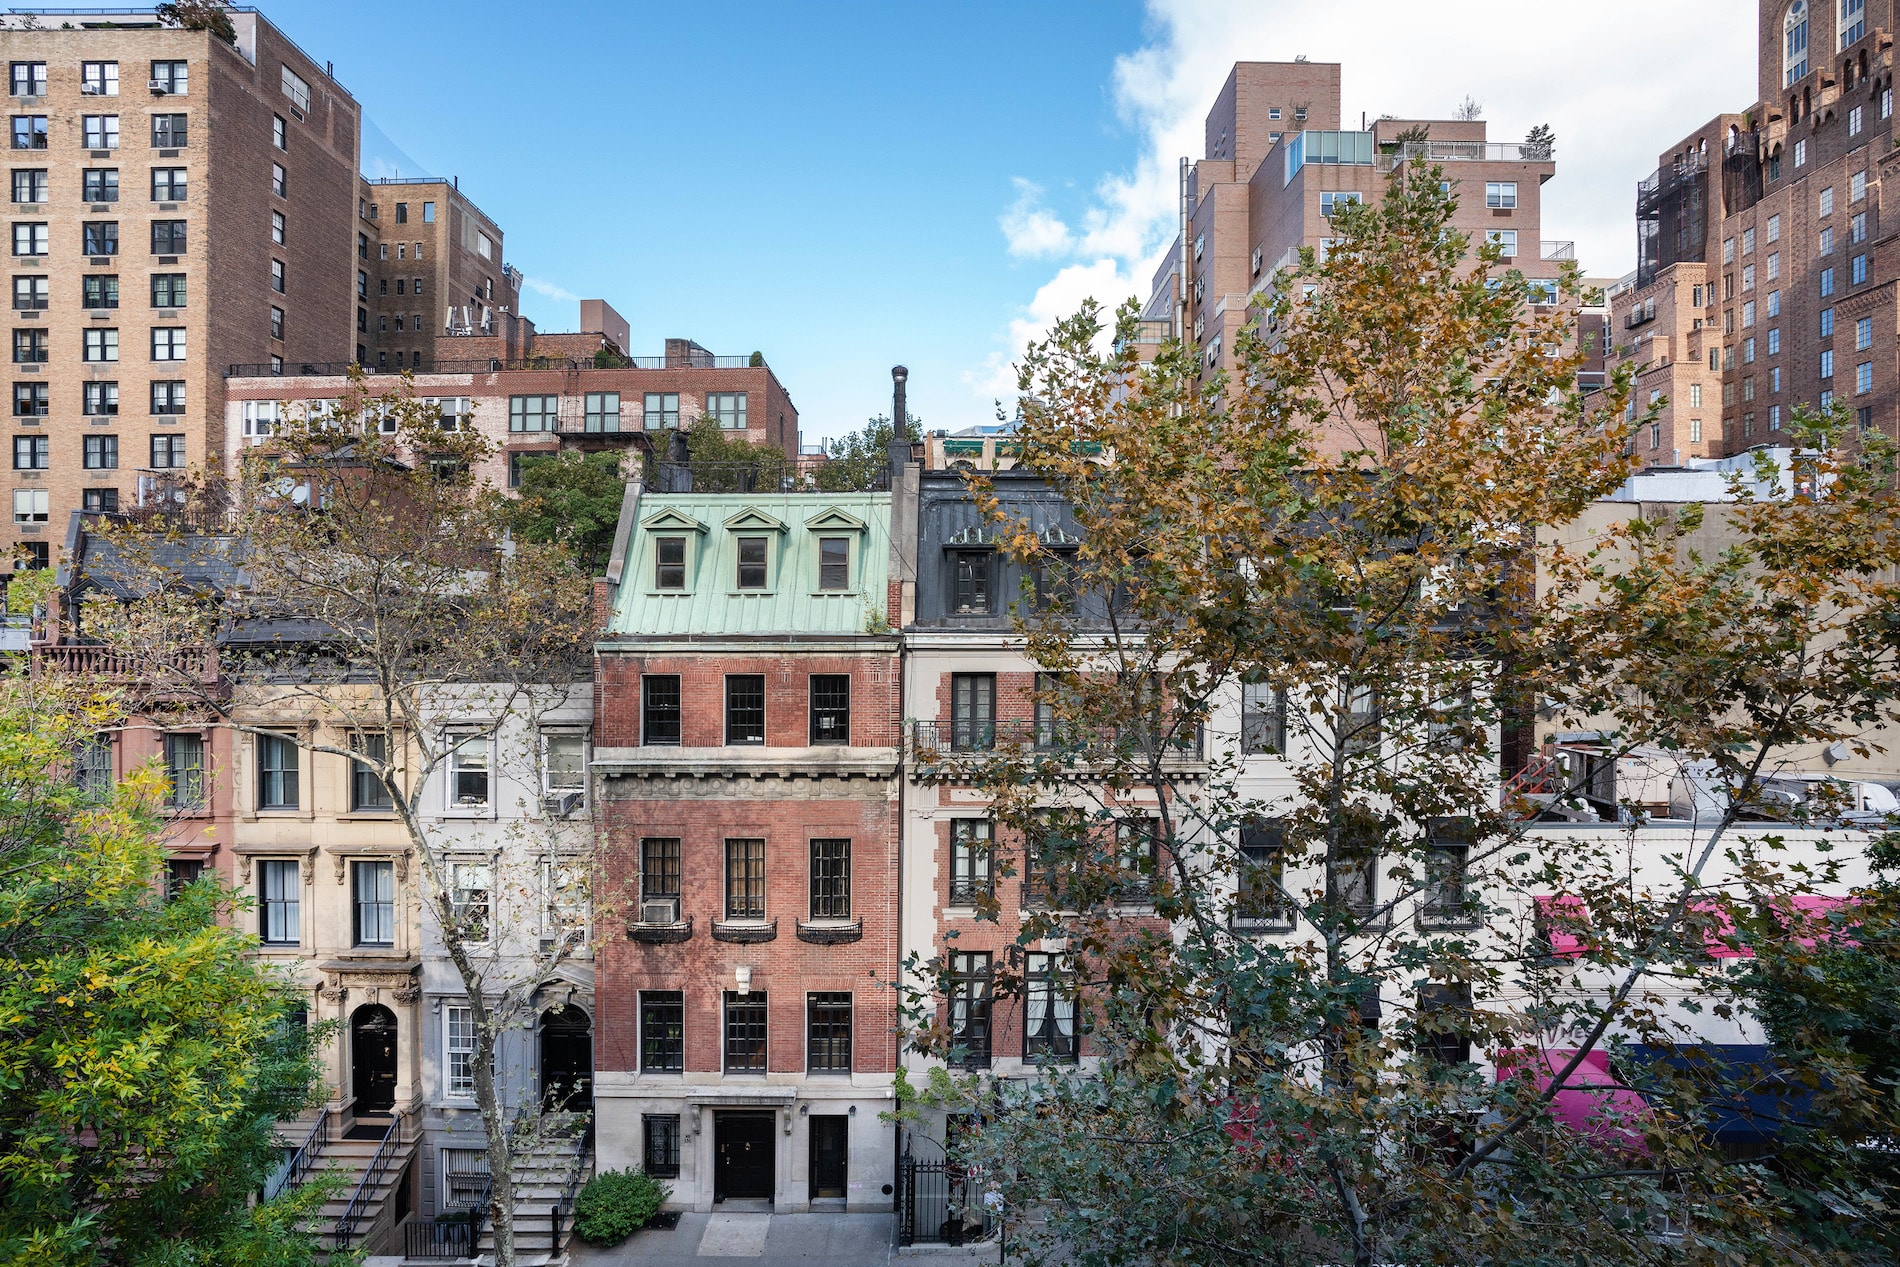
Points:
1794	44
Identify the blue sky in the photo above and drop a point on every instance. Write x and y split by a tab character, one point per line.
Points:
847	186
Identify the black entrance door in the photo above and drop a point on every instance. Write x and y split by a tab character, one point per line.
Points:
742	1144
829	1152
567	1059
373	1058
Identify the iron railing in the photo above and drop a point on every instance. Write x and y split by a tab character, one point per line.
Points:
489	365
983	735
939	1201
566	1204
297	1165
439	1238
379	1165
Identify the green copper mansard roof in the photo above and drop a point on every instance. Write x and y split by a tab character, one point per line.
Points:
704	530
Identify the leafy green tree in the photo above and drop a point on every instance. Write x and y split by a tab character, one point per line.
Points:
722	461
1352	525
145	1059
571	498
854	462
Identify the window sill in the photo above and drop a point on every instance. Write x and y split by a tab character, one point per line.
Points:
366	815
837	593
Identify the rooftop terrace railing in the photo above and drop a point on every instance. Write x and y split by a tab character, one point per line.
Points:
1462	152
490	365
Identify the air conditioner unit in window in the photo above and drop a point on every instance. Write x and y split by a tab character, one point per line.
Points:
157	88
89	90
561	804
660	910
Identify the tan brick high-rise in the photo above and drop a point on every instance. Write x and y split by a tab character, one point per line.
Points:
179	203
1766	278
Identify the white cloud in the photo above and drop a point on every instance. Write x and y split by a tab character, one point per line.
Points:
1030	229
1102	280
550	290
1615	105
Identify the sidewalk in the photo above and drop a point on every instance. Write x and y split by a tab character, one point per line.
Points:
840	1240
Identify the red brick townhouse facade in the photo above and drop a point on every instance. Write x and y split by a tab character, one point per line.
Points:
746	756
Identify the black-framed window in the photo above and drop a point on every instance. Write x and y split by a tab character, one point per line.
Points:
753	572
970	582
662	1031
35	347
1138	854
168	291
745	878
100	237
1049	730
105	499
1259	897
659	867
1048	1008
32	453
92	768
185	771
745	708
280	889
169	184
168	452
1362	722
970	1008
171	131
30	237
972	712
29	131
180	872
367	791
745	1033
99	291
660	708
276	772
100	453
33	184
1443	1022
828	1031
669	563
660	1144
168	237
1055	579
28	78
729	408
32	293
1262	719
373	894
172	77
1356	870
831	708
831	877
834	563
1447	898
100	184
970	849
32	400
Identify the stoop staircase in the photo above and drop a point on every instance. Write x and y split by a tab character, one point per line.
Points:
549	1171
370	1152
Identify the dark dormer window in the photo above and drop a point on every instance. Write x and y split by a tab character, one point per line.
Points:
970	577
669	563
834	563
751	563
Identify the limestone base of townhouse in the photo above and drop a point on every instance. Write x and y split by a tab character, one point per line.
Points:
778	1138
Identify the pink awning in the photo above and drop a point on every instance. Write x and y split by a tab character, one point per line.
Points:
1591	1101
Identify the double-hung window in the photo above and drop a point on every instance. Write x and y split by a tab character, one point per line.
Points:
30	184
170	131
745	708
468	772
830	708
1505	240
32	453
99	291
169	184
970	582
533	413
101	345
828	1031
661	411
831	877
669	563
834	563
101	453
29	131
100	400
373	890
31	400
31	505
168	399
459	1048
28	79
296	89
470	886
279	901
1500	194
168	343
172	77
1447	897
32	293
99	79
100	131
168	452
662	1031
99	237
745	1032
564	763
368	793
1262	719
1049	1008
659	868
30	237
745	878
753	570
660	709
970	849
276	772
603	411
34	347
1259	897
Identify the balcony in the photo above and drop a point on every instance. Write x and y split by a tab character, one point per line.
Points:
982	736
1549	250
1462	152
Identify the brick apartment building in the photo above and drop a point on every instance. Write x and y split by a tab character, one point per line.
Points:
1278	162
178	203
534	393
1765	278
745	760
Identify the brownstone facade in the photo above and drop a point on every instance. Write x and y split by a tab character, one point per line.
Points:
1766	279
179	203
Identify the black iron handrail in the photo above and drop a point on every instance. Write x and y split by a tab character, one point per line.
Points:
379	1163
298	1164
566	1204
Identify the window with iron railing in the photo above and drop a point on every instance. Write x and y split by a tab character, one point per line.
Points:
971	846
972	712
1260	900
745	878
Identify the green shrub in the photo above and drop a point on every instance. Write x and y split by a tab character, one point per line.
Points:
616	1204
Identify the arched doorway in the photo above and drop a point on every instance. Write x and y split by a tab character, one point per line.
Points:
567	1059
373	1058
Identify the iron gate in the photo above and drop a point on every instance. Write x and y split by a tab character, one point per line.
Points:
939	1203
